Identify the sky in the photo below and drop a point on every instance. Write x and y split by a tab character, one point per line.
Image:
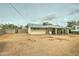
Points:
37	13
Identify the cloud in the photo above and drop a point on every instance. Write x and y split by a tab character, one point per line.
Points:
50	17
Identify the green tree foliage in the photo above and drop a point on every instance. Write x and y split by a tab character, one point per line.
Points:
46	23
78	22
71	23
20	27
9	26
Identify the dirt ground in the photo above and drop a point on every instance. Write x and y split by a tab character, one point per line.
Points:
22	44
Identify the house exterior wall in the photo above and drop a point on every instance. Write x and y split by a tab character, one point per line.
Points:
22	31
75	29
40	31
2	31
67	31
9	31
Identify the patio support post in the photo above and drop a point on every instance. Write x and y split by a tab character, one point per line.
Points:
56	31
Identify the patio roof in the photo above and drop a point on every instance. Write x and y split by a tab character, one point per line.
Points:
44	26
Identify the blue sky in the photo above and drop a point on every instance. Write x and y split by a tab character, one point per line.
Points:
36	13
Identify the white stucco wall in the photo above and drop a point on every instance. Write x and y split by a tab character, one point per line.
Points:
2	31
8	31
40	31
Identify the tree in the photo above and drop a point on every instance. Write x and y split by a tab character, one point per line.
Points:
46	23
9	26
26	26
20	27
71	23
78	22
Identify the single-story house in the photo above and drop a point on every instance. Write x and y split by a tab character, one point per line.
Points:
75	29
47	29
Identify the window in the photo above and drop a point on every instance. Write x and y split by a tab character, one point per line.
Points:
36	28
